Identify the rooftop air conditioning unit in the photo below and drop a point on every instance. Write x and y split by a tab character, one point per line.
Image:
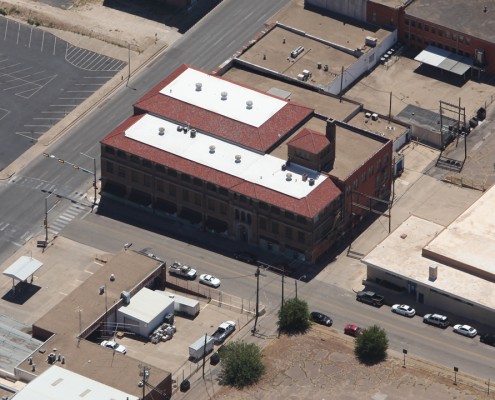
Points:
367	115
305	177
311	182
126	296
374	117
371	41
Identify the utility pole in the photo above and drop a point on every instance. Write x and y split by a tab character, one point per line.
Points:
145	373
257	275
45	222
204	355
129	63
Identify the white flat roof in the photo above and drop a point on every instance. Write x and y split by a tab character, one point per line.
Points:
402	257
23	268
470	239
261	169
61	384
145	305
233	106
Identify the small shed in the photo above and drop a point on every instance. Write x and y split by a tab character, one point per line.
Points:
22	269
145	312
183	306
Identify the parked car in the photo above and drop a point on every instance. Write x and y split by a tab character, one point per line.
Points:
353	330
215	358
437	320
114	346
245	257
465	330
403	309
370	297
488	338
209	280
320	318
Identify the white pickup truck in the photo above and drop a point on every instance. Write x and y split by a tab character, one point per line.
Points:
182	271
223	331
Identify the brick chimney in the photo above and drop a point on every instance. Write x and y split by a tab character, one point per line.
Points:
331	136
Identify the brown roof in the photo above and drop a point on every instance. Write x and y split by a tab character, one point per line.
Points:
262	139
310	141
79	310
309	206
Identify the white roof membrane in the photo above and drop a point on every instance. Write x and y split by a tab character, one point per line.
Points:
205	91
261	169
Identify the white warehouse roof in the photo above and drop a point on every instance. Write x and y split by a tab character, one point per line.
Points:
145	305
61	384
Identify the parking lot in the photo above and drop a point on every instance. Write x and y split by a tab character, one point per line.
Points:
43	79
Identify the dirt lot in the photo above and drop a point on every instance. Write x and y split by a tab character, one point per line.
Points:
322	366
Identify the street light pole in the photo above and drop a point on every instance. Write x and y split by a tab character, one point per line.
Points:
257	275
295	282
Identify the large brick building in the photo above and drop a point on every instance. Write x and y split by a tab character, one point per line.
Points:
207	150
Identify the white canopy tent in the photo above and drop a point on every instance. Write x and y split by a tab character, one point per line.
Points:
22	269
444	60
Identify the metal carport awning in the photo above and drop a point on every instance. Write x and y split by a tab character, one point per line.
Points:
444	60
22	269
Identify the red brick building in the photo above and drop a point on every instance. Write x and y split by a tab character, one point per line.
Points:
202	148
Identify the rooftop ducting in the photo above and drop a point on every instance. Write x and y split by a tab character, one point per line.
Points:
161	131
249	104
199	86
193	133
224	95
238	158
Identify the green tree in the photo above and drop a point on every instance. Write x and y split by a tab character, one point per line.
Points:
293	317
371	346
242	364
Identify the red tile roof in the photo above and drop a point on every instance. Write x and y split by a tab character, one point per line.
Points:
262	139
310	141
309	206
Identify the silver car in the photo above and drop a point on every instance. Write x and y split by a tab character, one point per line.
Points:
465	330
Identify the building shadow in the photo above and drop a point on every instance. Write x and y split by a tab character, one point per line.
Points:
154	10
21	293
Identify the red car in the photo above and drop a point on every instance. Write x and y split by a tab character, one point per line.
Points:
353	330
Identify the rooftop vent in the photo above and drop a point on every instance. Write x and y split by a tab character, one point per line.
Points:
199	86
212	149
311	182
288	176
179	128
433	273
224	95
249	104
305	177
161	131
238	158
284	167
193	133
126	296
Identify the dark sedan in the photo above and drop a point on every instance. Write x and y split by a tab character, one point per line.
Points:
245	256
320	318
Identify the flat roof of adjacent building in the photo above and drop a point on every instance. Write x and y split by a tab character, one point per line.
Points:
336	29
61	384
209	151
272	53
391	3
401	254
145	305
352	149
463	16
382	126
469	241
84	306
323	104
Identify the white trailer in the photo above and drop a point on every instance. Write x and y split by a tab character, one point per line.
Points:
201	347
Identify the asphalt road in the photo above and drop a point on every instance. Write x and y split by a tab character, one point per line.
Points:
214	39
